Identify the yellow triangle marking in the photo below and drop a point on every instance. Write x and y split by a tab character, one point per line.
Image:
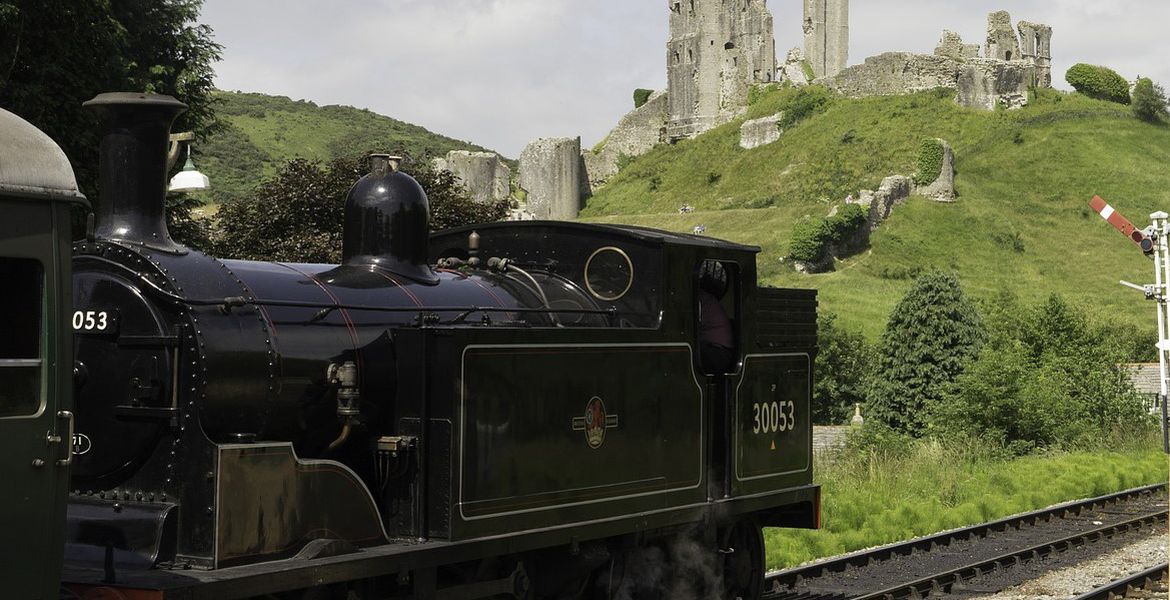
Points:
773	444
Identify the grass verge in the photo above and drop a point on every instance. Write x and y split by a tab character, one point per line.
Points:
872	497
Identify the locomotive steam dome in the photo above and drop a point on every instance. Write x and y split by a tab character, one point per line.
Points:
387	222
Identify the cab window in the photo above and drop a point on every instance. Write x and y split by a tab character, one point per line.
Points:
21	315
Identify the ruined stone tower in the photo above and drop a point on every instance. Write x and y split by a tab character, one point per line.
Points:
717	50
1036	47
826	35
1002	43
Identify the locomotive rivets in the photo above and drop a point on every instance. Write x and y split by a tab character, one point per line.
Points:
138	496
117	507
210	510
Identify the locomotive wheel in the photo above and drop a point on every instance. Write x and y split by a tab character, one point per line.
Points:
743	567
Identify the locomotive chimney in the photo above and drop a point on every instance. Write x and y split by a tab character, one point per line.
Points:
133	167
387	222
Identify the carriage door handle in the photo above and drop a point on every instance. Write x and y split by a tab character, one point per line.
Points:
68	441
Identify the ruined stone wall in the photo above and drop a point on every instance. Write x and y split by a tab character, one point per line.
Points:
979	82
717	50
826	35
896	73
486	177
550	173
637	132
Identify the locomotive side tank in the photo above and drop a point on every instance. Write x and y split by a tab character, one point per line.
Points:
515	408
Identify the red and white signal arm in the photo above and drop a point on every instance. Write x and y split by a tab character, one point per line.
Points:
1122	224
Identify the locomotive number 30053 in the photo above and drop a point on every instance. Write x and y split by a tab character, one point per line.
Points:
772	417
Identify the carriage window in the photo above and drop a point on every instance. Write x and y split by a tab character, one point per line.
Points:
21	307
717	295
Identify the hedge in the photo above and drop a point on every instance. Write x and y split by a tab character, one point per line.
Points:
811	238
930	161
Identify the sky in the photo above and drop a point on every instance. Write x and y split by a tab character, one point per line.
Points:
501	73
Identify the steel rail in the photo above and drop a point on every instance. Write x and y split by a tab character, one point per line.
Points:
780	582
942	582
1121	587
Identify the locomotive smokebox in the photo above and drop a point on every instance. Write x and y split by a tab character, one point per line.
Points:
387	221
133	167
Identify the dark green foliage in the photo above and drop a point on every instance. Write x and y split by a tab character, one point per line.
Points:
807	101
806	68
1048	377
1098	82
56	54
641	96
1149	101
812	238
933	333
1012	242
298	214
232	161
185	223
713	177
843	360
930	161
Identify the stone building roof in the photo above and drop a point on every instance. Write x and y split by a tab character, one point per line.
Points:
1145	377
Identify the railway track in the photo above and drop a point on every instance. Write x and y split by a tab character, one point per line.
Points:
1151	583
940	562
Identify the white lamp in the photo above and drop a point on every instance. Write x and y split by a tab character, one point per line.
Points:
189	179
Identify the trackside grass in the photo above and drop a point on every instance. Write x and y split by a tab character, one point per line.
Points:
872	498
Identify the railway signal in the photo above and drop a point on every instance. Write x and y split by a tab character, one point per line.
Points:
1153	242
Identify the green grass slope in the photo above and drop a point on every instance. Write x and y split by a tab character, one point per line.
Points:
262	132
1021	221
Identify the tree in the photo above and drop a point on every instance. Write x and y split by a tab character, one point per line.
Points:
298	214
843	361
1149	101
1047	377
56	54
932	334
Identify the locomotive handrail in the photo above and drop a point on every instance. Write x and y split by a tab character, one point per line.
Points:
227	303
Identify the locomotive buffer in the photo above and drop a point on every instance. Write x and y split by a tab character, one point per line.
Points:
1153	241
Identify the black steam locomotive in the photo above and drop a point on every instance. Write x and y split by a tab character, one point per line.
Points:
518	410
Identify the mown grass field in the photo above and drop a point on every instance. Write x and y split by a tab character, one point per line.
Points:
871	499
1021	222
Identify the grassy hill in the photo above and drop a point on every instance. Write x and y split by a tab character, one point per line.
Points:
1021	221
263	132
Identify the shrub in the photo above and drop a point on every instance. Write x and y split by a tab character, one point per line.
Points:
843	359
641	97
932	334
811	238
1149	101
930	161
1098	82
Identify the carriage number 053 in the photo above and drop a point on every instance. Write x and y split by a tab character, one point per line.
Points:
773	417
91	320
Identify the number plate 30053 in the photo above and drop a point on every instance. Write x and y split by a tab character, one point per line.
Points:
95	321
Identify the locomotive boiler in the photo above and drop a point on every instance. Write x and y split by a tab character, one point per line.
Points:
516	408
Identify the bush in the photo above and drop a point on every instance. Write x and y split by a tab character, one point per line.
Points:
298	214
1149	101
930	161
641	97
1098	82
1047	378
811	238
843	360
933	333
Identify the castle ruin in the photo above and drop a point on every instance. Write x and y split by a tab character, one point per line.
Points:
1009	65
826	36
718	49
